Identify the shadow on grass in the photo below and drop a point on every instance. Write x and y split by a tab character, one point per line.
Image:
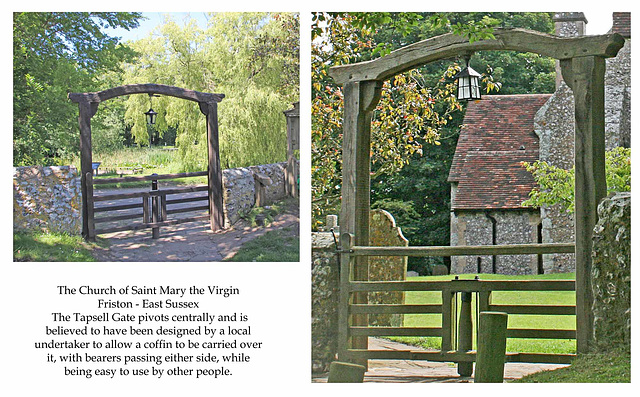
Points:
281	245
50	247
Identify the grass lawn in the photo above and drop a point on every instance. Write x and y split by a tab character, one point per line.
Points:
610	367
281	245
50	247
515	321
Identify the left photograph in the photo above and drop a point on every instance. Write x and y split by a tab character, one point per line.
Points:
155	137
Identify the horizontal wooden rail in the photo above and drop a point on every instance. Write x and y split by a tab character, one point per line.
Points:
395	331
547	358
140	226
454	356
438	356
179	190
463	250
187	200
463	285
547	310
104	181
120	196
395	309
118	207
115	218
541	333
188	209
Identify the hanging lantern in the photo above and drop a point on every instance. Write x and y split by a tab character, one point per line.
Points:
151	116
468	82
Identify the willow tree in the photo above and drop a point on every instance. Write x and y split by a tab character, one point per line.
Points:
252	58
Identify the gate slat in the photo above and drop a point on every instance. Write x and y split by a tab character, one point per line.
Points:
125	217
525	333
569	310
395	331
141	226
395	309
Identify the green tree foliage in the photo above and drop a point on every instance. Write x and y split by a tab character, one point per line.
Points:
55	53
409	114
556	185
523	73
251	58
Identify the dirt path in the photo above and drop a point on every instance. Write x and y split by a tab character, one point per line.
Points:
414	371
188	241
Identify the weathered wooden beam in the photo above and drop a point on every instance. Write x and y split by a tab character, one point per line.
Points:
91	225
492	344
451	45
546	310
585	76
359	100
146	225
541	333
464	250
216	205
395	309
86	111
344	296
463	285
159	89
395	331
550	358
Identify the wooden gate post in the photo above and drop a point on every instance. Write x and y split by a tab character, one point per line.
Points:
88	208
360	98
86	111
155	231
465	333
344	299
293	144
585	76
216	209
492	343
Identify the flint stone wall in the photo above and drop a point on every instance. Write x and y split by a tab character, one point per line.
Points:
324	301
611	272
47	199
512	227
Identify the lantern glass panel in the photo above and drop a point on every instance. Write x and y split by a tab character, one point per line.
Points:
151	117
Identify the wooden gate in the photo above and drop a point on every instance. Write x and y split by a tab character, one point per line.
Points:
88	103
147	209
582	63
457	328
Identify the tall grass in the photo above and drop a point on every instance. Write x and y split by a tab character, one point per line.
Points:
149	159
144	160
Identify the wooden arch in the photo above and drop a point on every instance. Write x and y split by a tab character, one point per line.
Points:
582	61
88	105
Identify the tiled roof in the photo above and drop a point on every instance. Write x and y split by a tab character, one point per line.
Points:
622	23
496	136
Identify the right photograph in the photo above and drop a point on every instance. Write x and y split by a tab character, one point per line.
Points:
471	205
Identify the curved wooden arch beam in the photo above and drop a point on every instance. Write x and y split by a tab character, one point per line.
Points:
450	45
160	89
